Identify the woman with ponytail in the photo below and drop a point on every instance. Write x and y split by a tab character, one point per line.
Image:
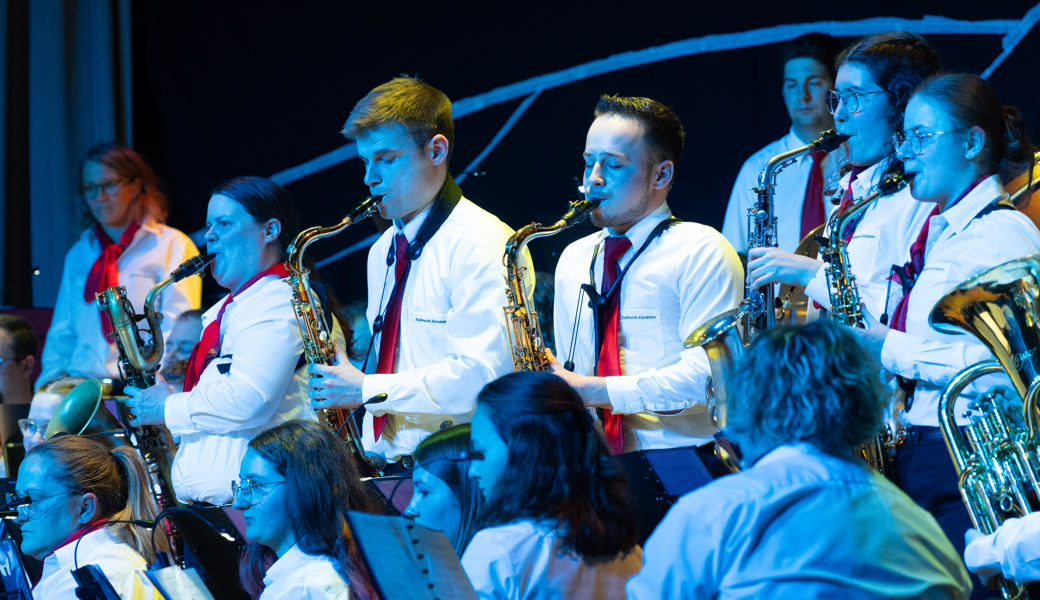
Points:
296	483
959	145
558	521
79	504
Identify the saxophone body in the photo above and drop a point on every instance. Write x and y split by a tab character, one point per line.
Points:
138	361
318	345
759	310
525	335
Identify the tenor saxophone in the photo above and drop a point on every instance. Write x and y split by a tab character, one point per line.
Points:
525	335
318	345
138	361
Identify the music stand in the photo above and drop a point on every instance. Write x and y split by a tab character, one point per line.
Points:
14	581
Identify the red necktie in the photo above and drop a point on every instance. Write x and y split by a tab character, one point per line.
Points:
208	347
609	354
104	273
912	269
847	199
390	332
812	204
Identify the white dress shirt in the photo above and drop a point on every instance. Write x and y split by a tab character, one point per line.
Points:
788	195
453	337
251	387
958	247
300	576
120	563
75	344
799	524
882	238
523	561
688	275
1012	550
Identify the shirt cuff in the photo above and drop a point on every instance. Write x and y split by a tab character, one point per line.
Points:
374	384
817	288
626	397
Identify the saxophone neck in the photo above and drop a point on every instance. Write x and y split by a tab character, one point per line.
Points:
310	235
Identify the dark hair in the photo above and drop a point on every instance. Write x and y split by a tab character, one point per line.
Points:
325	484
820	47
131	166
898	61
439	454
558	467
970	101
264	199
116	478
424	111
23	338
664	132
813	383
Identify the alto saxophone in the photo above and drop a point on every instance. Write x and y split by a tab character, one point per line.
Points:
318	345
758	310
845	304
138	361
525	336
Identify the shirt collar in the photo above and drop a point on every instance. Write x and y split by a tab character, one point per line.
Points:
411	229
958	216
287	563
638	233
867	178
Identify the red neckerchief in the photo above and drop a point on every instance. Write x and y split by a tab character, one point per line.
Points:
104	273
208	347
82	531
913	267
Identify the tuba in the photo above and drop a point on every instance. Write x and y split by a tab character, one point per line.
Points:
997	456
525	336
759	306
138	361
720	337
318	345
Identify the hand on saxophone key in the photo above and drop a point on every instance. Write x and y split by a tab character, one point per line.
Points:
593	390
772	265
147	406
335	386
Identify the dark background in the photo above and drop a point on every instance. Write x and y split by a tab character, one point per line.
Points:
222	90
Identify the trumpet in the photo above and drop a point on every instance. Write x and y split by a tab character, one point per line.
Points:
525	335
318	345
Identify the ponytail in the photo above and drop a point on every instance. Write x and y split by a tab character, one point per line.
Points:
1017	152
139	505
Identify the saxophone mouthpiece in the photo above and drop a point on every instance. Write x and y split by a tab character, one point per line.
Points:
192	266
828	141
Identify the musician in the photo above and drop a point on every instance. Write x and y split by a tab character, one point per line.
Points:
875	78
563	523
445	498
295	485
186	332
442	336
807	64
959	144
75	492
17	360
124	243
676	276
245	375
805	518
1012	550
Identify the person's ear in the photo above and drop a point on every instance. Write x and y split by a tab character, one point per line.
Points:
976	141
27	366
86	508
664	171
272	229
437	149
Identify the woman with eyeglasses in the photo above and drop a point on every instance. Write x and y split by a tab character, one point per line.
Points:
296	483
875	78
445	498
77	499
960	145
124	243
246	374
558	520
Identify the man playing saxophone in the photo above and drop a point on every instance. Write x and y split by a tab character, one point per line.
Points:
435	279
653	280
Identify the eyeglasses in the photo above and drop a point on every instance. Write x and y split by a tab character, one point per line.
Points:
24	504
30	427
91	190
251	492
853	100
915	139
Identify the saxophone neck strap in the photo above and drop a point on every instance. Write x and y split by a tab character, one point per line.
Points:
447	199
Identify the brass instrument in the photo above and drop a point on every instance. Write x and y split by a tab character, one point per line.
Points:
525	335
759	305
138	361
318	345
997	460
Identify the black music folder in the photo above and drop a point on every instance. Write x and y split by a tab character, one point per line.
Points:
408	561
